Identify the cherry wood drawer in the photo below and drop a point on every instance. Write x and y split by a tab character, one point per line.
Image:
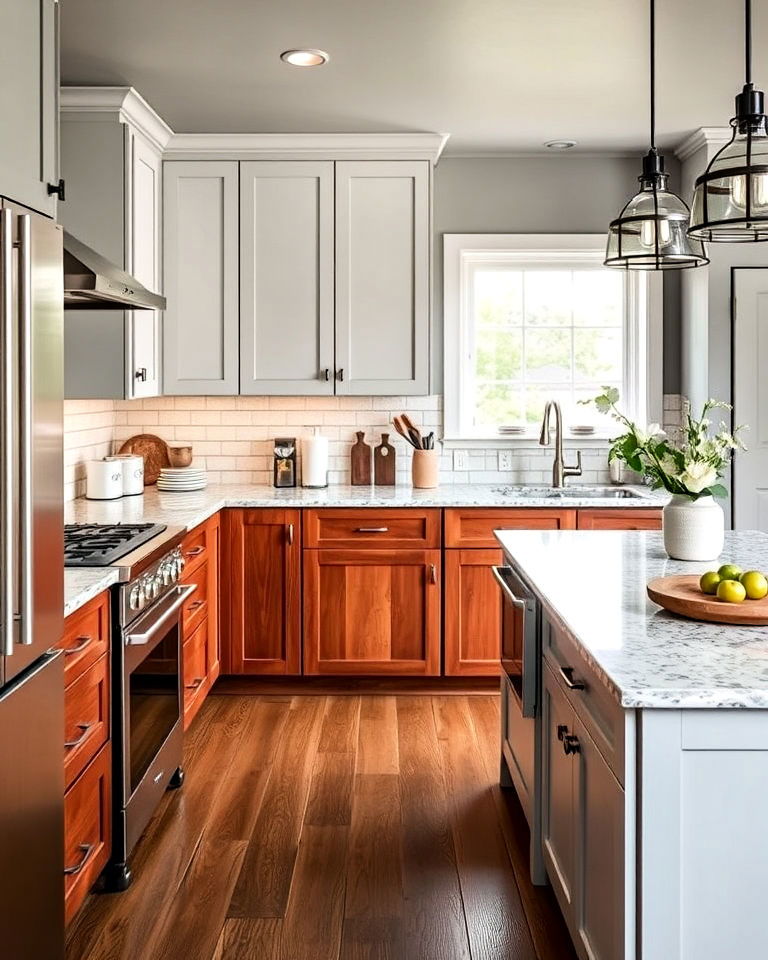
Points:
86	637
626	519
349	528
87	830
198	545
86	718
196	657
474	526
195	609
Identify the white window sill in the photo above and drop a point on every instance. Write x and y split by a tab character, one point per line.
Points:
521	442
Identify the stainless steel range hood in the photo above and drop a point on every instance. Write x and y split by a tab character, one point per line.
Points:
93	283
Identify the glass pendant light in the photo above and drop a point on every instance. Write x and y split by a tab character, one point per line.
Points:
651	232
730	199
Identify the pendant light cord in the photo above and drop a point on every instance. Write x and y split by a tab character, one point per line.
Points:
748	39
653	73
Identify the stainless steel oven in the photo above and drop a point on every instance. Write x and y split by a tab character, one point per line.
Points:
520	643
147	704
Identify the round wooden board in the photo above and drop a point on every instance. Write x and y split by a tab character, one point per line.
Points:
153	449
681	594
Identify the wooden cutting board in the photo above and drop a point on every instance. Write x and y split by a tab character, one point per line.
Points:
384	463
681	595
361	461
153	449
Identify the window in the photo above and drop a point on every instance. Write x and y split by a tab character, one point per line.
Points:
533	318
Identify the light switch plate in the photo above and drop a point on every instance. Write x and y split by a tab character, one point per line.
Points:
460	460
505	459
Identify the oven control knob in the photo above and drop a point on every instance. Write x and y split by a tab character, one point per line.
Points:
142	597
134	598
166	573
152	588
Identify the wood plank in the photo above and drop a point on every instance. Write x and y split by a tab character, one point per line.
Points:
433	911
374	870
315	934
340	725
192	926
265	877
380	939
377	750
248	939
545	922
496	921
330	797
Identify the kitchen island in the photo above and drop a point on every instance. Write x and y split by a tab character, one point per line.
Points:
652	751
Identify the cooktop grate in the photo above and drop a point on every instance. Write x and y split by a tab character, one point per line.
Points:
101	544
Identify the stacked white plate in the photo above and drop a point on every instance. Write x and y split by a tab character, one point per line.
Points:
181	479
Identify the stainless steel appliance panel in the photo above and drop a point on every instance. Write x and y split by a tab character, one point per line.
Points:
31	485
31	816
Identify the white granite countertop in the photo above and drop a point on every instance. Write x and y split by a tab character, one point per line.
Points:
187	510
593	585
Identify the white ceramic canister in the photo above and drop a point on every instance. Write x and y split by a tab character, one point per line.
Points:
104	479
133	473
314	461
693	529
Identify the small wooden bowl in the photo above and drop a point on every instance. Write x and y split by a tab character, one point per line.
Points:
180	454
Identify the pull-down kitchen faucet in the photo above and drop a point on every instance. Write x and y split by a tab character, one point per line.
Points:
559	470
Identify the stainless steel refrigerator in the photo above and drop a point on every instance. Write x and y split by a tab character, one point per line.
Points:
31	587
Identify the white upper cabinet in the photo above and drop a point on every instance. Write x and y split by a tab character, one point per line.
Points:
382	277
29	85
286	277
111	148
200	263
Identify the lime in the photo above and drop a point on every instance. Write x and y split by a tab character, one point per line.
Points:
731	591
710	581
729	571
755	584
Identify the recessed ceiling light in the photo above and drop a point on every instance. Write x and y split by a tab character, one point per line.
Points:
305	58
560	144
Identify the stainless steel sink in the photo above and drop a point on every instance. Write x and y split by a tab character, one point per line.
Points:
580	493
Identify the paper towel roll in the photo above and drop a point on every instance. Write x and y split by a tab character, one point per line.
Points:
314	462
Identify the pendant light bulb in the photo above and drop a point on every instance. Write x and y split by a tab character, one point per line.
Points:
651	232
730	199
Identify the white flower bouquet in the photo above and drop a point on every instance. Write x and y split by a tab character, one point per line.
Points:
690	467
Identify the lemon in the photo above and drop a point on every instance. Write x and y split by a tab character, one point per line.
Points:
755	584
709	582
730	571
731	591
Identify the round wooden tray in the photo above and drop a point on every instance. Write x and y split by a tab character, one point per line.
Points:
153	449
681	594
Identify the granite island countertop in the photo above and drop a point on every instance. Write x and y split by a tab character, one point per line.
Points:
187	510
593	585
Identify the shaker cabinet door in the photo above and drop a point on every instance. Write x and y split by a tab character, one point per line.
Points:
29	85
143	326
286	278
200	265
472	613
558	819
382	277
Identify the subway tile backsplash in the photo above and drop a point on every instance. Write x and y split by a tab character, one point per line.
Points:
233	436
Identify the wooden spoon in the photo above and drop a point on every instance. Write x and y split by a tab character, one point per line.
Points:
398	424
413	430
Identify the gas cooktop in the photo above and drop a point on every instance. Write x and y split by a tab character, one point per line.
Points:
101	544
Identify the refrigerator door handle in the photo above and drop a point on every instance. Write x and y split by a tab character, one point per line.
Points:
7	432
26	608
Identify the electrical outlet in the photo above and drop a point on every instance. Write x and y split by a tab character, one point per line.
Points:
505	459
460	460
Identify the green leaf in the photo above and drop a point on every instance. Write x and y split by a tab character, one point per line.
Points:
717	490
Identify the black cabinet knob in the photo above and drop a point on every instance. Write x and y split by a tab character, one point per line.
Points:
58	189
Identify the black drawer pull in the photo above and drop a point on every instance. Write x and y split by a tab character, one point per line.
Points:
567	674
571	744
86	728
84	642
86	849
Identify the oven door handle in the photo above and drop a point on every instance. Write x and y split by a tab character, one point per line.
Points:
530	645
149	624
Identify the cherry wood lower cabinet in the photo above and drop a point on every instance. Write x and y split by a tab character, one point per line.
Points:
261	587
372	612
200	615
626	519
472	613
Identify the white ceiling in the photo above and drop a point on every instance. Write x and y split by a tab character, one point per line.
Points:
497	75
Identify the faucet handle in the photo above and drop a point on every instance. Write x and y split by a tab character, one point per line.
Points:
574	471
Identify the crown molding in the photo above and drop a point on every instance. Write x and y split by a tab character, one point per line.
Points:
306	146
123	103
538	154
703	137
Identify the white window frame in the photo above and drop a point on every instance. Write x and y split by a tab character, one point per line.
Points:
644	344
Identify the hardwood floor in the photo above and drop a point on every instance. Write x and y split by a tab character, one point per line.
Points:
333	828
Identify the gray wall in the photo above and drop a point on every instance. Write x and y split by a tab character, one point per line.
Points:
557	194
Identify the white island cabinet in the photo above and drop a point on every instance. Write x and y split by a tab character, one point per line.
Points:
654	752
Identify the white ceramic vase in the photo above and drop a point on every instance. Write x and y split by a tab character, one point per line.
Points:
693	529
